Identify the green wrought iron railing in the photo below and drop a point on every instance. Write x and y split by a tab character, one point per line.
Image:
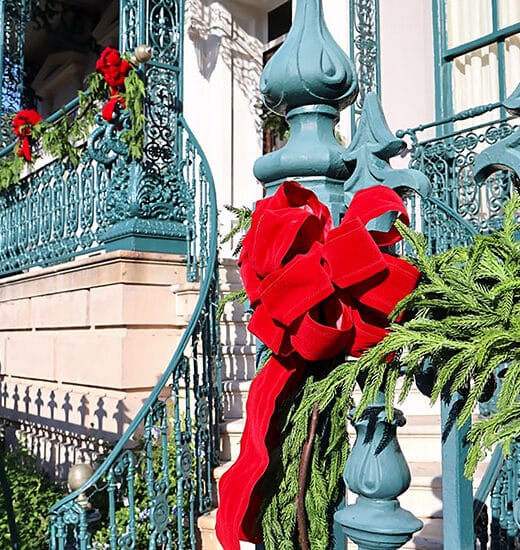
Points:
458	208
158	478
55	212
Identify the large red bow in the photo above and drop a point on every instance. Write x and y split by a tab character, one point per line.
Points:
317	292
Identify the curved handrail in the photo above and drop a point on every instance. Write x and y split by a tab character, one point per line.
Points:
208	275
453	214
62	111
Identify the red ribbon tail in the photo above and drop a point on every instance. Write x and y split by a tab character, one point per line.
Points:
240	498
25	149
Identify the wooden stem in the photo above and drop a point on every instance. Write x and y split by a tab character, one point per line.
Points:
301	516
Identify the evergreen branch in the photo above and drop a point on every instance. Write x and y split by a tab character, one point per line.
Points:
242	223
464	316
239	295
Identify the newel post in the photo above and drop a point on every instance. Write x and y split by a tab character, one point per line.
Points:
309	80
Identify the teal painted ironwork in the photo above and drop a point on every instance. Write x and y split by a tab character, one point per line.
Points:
111	201
13	16
148	201
364	51
463	203
369	154
377	471
179	445
309	79
447	161
376	519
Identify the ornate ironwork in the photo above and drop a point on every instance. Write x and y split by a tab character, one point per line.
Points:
460	206
179	443
54	214
13	15
364	50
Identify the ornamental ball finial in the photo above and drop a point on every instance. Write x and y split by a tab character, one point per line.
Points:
143	53
78	475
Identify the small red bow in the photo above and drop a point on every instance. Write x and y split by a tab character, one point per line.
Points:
115	102
113	68
23	123
317	292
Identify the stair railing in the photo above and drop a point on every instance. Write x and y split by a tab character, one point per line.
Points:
173	440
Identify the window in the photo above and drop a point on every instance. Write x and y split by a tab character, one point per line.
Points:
279	21
478	49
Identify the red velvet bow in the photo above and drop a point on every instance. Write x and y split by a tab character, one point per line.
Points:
113	68
317	292
115	102
23	124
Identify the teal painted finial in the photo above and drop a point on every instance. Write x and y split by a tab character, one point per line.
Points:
310	67
369	154
309	80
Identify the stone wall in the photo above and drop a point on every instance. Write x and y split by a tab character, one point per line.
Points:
82	344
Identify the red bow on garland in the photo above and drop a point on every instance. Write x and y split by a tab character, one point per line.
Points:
316	292
23	123
114	70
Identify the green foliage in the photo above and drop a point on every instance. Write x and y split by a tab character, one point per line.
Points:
134	97
59	138
464	316
324	487
239	296
31	494
10	170
242	224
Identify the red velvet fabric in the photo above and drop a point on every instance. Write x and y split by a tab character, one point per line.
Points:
316	292
113	68
110	106
23	123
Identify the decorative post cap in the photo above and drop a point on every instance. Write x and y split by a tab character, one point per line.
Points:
369	154
309	68
309	79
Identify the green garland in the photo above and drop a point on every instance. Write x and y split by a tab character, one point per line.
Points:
59	138
324	487
464	317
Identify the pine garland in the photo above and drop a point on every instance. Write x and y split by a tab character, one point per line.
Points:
464	317
325	487
59	139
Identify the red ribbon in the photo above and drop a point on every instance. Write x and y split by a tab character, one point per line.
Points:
317	292
23	124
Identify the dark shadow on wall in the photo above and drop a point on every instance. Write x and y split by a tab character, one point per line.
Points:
55	429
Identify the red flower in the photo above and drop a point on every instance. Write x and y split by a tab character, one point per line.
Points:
23	124
111	106
112	67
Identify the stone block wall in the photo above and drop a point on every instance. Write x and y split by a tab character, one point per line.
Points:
82	344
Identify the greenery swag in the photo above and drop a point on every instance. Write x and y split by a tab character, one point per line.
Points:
463	318
60	137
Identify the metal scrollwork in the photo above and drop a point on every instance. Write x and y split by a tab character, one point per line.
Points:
449	165
104	143
364	44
